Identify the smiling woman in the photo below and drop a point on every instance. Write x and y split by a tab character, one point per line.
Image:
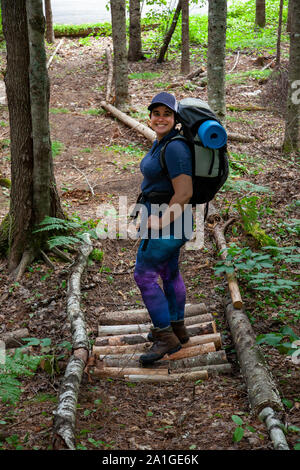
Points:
166	225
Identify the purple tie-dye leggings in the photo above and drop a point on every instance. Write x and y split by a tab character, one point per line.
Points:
159	257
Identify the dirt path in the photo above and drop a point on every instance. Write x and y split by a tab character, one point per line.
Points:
95	151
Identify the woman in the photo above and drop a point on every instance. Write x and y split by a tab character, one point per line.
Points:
168	226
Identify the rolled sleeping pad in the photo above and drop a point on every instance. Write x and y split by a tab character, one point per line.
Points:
212	134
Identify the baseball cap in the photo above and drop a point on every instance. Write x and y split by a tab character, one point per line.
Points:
164	98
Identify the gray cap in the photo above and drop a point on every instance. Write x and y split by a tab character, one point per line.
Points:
164	98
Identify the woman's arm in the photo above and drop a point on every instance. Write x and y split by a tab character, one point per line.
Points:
183	191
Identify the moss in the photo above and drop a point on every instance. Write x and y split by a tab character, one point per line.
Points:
5	182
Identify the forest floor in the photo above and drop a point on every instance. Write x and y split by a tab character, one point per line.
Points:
92	146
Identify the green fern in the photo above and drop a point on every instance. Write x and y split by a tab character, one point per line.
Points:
16	366
248	211
76	228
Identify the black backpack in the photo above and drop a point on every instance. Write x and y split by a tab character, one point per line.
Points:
210	166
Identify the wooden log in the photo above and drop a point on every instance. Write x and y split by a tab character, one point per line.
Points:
232	282
202	339
190	352
211	358
128	349
112	330
13	339
125	317
214	369
202	328
262	391
115	330
65	415
129	121
119	340
132	360
184	376
121	371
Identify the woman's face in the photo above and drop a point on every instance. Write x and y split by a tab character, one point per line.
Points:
162	120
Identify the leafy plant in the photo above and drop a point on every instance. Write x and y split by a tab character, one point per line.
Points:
239	430
285	341
76	227
14	367
248	210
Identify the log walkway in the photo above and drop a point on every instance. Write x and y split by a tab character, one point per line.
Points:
122	338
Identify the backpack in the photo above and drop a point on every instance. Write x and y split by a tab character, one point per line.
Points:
210	166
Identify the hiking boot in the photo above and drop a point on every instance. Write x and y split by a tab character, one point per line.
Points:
179	330
165	342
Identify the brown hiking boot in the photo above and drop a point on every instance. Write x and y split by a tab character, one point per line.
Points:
165	342
180	331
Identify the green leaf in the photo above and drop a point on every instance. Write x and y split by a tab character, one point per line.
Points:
238	434
237	420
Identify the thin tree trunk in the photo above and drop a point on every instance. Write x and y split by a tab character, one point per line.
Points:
292	126
185	38
39	94
279	34
288	23
135	39
260	13
49	22
118	18
217	14
169	34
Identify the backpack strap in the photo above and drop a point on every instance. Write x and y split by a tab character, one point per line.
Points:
163	151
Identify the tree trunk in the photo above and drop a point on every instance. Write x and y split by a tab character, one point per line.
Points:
217	13
16	228
279	33
169	34
49	22
135	39
185	38
260	13
292	125
289	19
118	19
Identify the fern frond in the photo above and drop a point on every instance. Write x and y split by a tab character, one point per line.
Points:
245	186
62	240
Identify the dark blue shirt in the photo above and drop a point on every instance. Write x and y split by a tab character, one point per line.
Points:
179	161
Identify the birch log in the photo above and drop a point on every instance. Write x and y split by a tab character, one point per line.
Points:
141	315
129	121
65	415
232	282
261	388
110	73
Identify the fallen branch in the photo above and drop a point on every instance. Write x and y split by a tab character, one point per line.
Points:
274	427
129	121
87	181
65	415
232	282
110	74
235	63
13	339
55	51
